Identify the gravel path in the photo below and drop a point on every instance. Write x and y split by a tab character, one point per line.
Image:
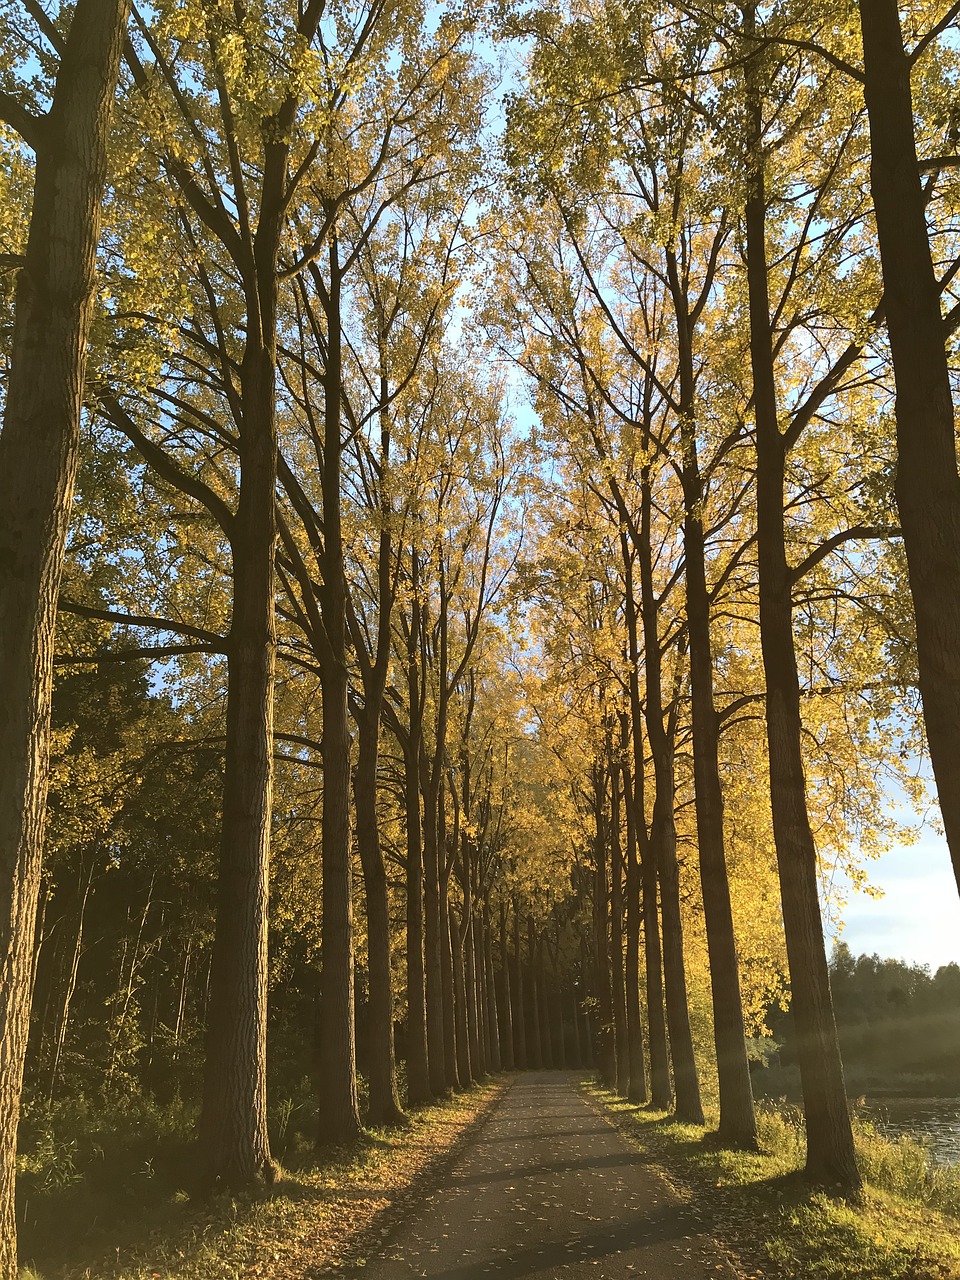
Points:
548	1187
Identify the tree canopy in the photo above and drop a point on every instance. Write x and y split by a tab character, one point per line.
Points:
489	550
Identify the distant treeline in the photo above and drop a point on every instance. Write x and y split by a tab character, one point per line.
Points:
899	1023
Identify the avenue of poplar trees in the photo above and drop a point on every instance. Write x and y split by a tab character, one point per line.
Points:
351	709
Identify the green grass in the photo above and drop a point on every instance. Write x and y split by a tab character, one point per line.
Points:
318	1212
905	1226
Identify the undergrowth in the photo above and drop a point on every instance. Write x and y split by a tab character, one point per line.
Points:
117	1206
904	1226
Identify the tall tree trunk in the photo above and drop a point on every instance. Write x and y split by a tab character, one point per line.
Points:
338	1054
927	481
233	1124
233	1129
738	1125
521	1058
605	1045
505	1005
587	1042
534	1045
663	836
483	1023
384	1101
578	1054
688	1106
618	990
38	461
432	948
464	1065
493	1016
831	1159
544	1007
473	1027
555	994
637	1087
451	1074
661	1094
418	1073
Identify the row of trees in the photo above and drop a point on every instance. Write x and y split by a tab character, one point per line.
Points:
551	694
699	302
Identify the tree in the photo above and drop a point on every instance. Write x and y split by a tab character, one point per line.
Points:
38	459
830	1152
927	479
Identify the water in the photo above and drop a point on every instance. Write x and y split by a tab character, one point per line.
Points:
936	1121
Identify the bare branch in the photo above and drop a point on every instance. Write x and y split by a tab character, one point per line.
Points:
31	128
860	532
925	41
136	620
151	653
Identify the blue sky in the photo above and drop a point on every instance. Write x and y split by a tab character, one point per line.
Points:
918	917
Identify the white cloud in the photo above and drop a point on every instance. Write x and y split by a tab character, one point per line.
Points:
918	918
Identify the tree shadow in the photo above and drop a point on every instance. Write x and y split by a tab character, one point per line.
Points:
611	1160
553	1133
660	1226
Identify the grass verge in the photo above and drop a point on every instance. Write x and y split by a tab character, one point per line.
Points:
906	1226
315	1222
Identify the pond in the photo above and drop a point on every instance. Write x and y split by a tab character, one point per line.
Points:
934	1120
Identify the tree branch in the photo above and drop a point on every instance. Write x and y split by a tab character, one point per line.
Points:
164	465
31	128
136	620
151	653
47	26
938	162
925	41
858	532
811	46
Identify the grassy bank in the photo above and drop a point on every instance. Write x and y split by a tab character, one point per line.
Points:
905	1227
319	1216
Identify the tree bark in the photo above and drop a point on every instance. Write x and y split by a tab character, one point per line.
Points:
473	1030
738	1125
637	1086
831	1159
578	1056
505	1002
661	1094
38	462
927	481
519	1011
534	1045
451	1073
605	1045
433	949
233	1128
618	989
464	1064
663	836
338	1055
233	1123
384	1101
555	994
417	1062
493	1016
544	1007
483	1011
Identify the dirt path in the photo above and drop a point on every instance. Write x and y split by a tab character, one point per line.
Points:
549	1188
